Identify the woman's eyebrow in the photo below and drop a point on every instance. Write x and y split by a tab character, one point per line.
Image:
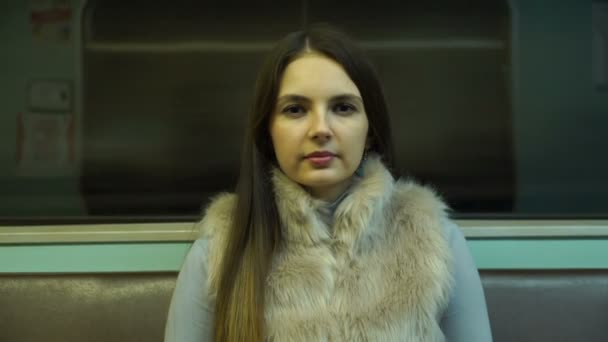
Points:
347	97
292	98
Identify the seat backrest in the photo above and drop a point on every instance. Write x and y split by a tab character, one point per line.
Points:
547	305
532	305
97	307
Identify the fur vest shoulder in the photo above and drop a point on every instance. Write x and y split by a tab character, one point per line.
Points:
380	272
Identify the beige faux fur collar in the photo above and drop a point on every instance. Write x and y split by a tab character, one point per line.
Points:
301	220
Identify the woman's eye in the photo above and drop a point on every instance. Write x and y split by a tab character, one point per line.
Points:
294	110
344	108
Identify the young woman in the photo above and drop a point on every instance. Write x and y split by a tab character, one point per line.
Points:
320	242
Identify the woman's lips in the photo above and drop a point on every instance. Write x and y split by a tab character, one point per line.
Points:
320	159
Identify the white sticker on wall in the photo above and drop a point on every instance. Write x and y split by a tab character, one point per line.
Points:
50	95
51	20
45	144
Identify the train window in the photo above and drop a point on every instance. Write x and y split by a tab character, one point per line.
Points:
134	110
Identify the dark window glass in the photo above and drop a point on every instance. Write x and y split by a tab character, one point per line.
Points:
129	110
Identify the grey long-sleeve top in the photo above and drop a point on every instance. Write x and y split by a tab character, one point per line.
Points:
465	319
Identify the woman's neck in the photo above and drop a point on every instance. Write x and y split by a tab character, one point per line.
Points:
330	193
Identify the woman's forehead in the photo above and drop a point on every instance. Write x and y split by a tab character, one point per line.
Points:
315	75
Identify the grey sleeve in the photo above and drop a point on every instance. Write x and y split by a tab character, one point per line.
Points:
190	316
466	317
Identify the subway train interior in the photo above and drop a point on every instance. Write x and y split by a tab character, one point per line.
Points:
121	120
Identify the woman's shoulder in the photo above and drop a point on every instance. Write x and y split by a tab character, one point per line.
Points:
218	215
453	233
213	234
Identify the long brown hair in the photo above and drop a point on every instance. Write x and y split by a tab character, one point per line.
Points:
256	234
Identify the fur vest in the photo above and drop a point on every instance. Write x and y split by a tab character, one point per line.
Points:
381	272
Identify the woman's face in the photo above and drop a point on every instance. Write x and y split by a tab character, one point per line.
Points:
318	126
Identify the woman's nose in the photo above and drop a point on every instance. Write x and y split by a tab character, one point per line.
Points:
320	129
